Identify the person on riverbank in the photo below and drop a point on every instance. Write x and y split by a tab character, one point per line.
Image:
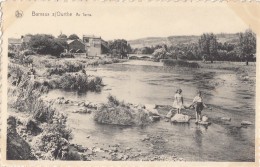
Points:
199	105
178	101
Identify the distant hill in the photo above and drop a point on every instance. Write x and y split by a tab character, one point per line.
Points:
174	40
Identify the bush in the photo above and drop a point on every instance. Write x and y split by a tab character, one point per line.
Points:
180	63
62	67
119	113
55	139
80	82
11	54
54	84
17	74
113	100
56	71
47	44
53	142
28	100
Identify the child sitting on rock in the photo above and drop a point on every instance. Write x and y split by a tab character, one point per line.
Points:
199	105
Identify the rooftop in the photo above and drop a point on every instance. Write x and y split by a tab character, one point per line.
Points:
92	36
70	41
15	41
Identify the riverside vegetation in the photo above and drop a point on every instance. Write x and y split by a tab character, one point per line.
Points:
40	126
34	123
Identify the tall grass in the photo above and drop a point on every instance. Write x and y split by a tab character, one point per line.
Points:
180	63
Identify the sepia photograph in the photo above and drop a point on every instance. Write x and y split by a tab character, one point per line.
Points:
129	83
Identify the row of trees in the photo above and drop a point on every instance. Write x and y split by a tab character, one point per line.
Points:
208	49
244	50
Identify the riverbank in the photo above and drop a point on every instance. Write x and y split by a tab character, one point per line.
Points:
34	123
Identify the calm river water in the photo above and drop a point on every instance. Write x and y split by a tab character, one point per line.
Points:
142	82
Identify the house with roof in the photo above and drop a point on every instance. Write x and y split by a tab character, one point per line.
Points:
15	41
19	41
76	46
95	45
92	44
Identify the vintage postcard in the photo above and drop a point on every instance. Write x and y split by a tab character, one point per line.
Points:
129	83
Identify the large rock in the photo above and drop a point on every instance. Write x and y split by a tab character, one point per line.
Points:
169	115
180	118
151	109
17	147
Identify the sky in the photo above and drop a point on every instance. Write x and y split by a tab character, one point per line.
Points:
129	21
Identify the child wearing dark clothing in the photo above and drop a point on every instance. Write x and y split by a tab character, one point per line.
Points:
199	105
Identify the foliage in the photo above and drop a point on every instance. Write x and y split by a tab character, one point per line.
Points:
113	100
28	93
208	46
80	82
47	44
11	54
64	66
17	74
55	138
247	45
25	96
159	54
119	48
62	36
119	113
73	36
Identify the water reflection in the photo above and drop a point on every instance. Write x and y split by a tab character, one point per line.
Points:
198	137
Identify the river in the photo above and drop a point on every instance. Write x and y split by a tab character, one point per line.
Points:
145	82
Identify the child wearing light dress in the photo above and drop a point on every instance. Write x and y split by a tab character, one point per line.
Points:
178	101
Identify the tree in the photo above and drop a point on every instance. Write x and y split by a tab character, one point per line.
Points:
62	36
208	46
46	44
73	36
247	45
159	54
119	48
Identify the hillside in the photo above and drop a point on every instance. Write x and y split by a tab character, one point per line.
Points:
174	40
